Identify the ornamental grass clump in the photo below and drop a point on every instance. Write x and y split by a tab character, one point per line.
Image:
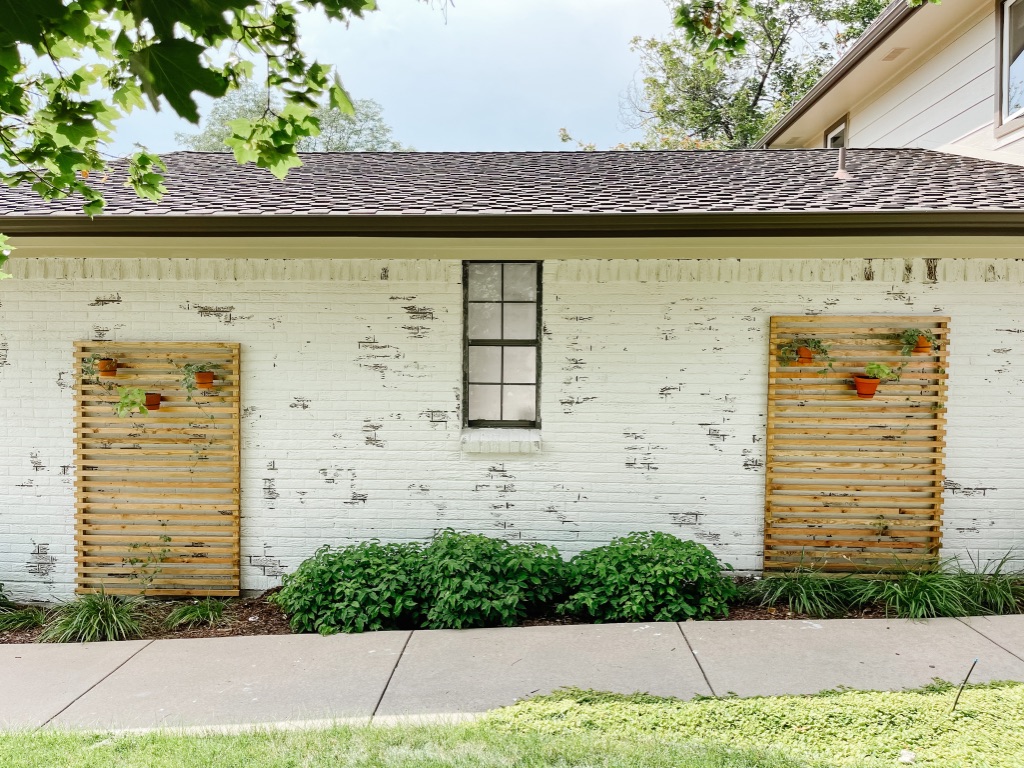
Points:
912	594
94	618
21	618
648	576
805	591
199	613
357	588
996	587
471	580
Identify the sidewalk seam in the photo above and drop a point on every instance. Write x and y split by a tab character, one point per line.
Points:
87	690
997	645
700	666
387	685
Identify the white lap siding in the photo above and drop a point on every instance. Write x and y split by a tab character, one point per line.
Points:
653	398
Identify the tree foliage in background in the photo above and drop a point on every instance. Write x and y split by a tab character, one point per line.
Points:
702	91
715	28
69	69
363	129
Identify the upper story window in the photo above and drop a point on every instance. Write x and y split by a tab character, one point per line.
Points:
501	343
835	137
1012	60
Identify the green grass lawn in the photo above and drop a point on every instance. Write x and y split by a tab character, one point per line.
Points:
580	728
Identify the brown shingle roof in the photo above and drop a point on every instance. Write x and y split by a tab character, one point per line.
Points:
539	183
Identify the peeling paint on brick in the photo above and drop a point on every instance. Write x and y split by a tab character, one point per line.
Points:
103	301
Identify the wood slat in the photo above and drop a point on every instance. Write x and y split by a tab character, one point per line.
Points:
854	484
157	496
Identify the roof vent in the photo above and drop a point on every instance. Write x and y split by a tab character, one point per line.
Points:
894	53
842	174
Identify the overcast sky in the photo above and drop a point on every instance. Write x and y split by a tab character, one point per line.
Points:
485	75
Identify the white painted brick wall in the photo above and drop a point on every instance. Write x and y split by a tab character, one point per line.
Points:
654	388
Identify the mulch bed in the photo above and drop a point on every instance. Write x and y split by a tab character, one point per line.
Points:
258	616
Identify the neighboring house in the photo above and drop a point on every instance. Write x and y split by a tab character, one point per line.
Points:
618	310
946	76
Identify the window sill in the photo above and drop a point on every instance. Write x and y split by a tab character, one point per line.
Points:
501	440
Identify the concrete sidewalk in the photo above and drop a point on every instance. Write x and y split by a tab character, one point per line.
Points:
387	675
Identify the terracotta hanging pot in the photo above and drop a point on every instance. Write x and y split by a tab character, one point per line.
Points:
107	366
204	379
923	346
804	355
866	386
153	401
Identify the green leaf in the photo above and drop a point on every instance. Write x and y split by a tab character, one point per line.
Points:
22	19
172	69
339	99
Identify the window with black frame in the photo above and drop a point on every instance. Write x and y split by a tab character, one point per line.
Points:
501	343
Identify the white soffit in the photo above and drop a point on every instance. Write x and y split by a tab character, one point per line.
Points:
919	37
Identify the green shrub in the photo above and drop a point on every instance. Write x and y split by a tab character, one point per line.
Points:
806	591
4	600
648	577
21	618
471	580
366	586
197	613
92	618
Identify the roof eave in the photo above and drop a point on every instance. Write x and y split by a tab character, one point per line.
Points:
891	19
702	224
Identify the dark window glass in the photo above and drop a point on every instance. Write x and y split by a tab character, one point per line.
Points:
502	343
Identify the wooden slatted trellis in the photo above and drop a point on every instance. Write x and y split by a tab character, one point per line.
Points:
854	485
157	494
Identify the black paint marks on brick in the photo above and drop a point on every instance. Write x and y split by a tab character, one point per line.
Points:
869	271
40	561
419	313
753	464
65	380
370	430
435	416
957	489
931	270
417	331
270	489
102	301
300	402
569	403
37	463
384	274
270	566
684	518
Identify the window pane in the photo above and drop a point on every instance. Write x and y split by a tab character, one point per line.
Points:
520	365
484	321
484	402
1014	51
484	282
520	403
837	139
485	364
520	282
520	321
